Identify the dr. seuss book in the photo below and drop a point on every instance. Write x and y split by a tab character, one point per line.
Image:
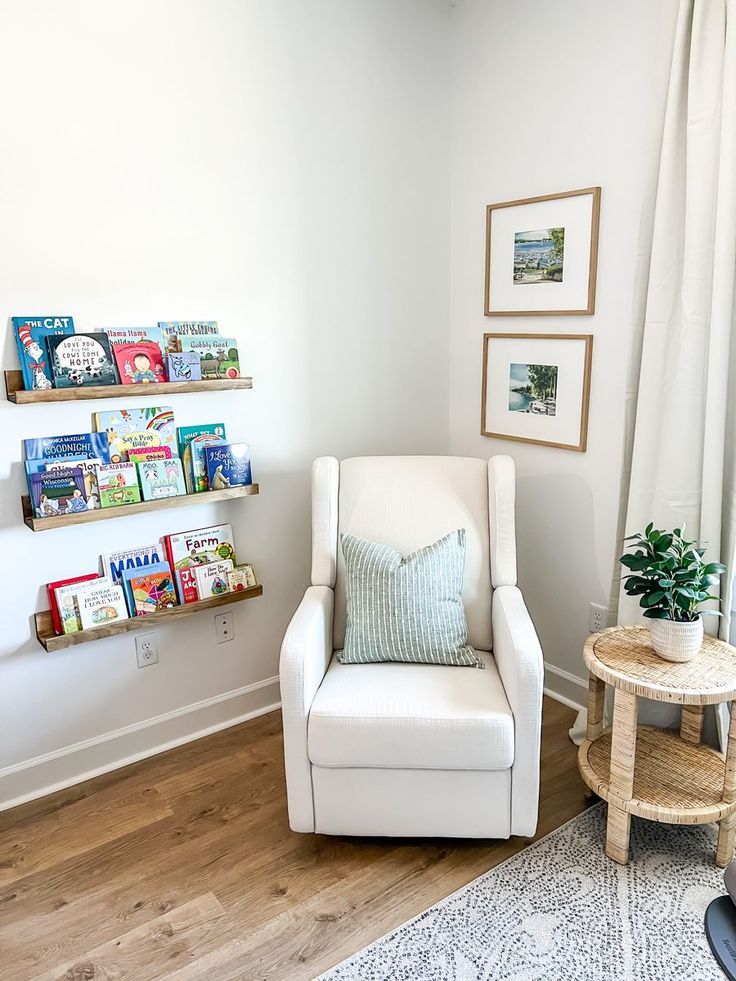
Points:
149	590
51	588
78	444
30	338
58	492
89	472
139	363
183	367
81	359
115	563
227	465
173	330
67	598
133	429
100	606
161	478
118	484
212	578
150	453
218	356
198	546
213	432
241	577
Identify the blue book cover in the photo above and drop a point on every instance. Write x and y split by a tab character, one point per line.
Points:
133	573
56	492
77	444
30	338
228	465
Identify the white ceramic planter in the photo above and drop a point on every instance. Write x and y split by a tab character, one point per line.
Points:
675	641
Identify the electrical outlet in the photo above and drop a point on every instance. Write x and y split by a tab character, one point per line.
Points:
146	650
598	617
224	628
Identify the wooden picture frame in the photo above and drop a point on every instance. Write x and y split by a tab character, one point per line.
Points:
580	296
577	389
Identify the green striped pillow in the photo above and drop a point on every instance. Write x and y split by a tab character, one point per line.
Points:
406	609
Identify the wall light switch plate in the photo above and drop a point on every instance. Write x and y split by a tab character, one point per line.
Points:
224	628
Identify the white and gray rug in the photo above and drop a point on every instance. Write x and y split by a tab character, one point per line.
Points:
561	911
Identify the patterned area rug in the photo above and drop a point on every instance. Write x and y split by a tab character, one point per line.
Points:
561	911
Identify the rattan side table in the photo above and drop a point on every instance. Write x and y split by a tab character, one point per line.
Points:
656	773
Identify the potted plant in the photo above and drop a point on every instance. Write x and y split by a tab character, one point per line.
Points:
671	579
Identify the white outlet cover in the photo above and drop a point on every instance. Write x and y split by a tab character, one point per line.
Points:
146	650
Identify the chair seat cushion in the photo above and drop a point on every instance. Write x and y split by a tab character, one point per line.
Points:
418	716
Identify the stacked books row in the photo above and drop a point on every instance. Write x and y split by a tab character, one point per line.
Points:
54	355
133	455
182	568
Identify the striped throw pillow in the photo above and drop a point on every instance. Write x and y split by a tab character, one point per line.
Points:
406	609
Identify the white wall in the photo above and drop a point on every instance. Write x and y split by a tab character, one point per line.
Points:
550	97
282	167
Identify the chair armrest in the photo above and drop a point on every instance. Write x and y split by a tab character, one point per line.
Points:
305	654
521	666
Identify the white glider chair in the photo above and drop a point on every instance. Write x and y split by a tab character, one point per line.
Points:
414	749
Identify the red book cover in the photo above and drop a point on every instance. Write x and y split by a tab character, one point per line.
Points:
188	585
139	363
51	591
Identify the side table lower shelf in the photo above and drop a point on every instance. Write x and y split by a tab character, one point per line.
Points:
675	782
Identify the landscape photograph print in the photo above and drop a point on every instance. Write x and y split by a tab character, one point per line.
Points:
533	388
539	256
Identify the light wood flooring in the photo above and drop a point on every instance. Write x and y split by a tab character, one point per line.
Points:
183	866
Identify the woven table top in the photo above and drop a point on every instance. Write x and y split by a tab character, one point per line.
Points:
624	657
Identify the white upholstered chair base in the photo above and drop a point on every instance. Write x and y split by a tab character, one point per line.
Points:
414	749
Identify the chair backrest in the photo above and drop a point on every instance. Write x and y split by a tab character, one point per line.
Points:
409	502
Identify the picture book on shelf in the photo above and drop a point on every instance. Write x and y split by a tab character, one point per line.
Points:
213	432
139	363
161	478
241	577
30	338
150	453
149	590
67	599
88	466
227	465
212	578
113	564
51	588
183	367
132	429
186	582
78	444
100	606
132	335
197	464
58	492
173	330
81	359
196	547
118	484
218	356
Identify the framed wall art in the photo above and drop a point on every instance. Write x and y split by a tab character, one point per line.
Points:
536	388
542	255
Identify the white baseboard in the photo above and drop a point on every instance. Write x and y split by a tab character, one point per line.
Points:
41	775
565	687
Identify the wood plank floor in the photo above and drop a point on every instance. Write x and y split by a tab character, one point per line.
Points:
183	866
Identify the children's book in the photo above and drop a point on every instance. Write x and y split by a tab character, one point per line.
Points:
51	588
131	335
100	606
153	453
173	330
183	367
136	429
67	598
227	465
161	478
58	492
196	448
139	363
186	580
186	435
241	577
81	359
150	591
189	549
212	578
218	356
30	338
115	563
118	484
89	472
78	444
